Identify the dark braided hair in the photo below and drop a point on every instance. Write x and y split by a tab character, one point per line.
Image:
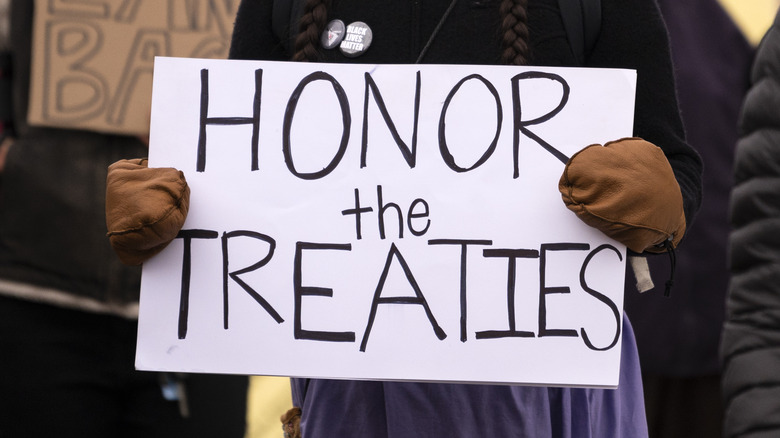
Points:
310	26
514	31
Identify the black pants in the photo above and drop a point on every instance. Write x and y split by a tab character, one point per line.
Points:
66	373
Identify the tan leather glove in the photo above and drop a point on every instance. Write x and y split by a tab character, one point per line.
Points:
145	208
291	423
626	189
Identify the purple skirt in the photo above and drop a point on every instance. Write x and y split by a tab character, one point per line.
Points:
343	409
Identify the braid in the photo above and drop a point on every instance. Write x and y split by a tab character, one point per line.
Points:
514	28
310	26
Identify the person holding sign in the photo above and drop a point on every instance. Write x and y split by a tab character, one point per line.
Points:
642	191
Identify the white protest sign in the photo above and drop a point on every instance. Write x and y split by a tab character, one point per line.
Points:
395	222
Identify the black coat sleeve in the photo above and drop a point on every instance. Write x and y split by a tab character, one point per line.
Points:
633	36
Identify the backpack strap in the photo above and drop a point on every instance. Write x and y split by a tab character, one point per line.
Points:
582	21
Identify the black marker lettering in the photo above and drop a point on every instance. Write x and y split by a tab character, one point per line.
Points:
186	271
601	297
235	274
381	214
521	126
205	120
418	299
410	155
544	290
300	291
511	255
290	113
445	152
358	212
423	214
464	244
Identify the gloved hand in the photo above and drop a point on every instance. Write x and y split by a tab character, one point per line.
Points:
291	423
626	189
145	208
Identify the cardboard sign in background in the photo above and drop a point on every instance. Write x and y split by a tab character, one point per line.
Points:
93	59
397	222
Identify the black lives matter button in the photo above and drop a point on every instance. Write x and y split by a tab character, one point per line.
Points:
357	39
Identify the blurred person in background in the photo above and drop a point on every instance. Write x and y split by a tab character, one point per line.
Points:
750	347
678	337
68	307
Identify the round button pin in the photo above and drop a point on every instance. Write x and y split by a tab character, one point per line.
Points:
357	39
333	34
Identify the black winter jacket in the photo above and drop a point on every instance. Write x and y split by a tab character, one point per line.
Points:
750	346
